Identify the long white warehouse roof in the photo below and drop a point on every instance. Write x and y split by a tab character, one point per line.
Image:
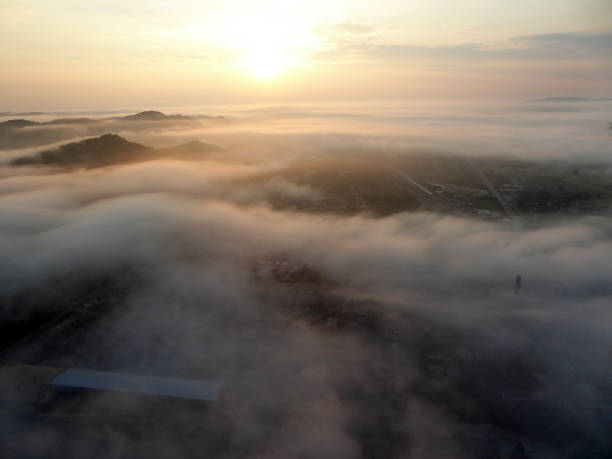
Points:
138	384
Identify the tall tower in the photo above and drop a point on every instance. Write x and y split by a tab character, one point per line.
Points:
517	284
519	450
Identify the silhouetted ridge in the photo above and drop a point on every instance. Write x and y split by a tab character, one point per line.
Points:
96	152
20	123
152	115
113	149
571	99
17	124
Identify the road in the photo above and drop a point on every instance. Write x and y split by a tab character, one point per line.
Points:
496	194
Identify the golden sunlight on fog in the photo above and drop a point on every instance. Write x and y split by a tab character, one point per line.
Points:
313	229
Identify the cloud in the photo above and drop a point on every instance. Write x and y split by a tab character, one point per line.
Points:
281	134
575	45
561	46
200	309
346	27
179	242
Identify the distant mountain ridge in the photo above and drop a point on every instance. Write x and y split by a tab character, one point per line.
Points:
152	115
142	116
571	99
112	149
17	123
96	152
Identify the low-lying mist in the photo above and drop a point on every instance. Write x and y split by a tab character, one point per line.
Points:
184	238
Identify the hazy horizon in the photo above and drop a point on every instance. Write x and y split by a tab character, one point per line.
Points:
68	54
377	229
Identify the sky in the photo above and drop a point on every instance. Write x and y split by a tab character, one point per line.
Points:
74	54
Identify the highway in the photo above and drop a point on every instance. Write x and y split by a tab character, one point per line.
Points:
496	194
399	177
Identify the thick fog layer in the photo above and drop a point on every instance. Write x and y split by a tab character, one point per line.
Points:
545	128
183	238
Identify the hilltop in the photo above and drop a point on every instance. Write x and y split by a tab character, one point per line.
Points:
96	152
152	115
113	149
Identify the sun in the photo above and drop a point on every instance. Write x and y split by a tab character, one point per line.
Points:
267	44
267	63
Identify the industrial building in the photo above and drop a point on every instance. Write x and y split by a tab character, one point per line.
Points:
32	384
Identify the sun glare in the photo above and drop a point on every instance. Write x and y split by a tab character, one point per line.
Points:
267	63
269	43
